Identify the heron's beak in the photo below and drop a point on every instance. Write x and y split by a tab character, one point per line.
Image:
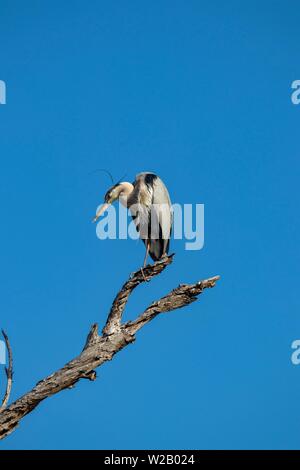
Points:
100	211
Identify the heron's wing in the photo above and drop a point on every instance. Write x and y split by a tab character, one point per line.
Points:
153	218
161	220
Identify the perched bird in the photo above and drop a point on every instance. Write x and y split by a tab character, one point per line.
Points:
149	203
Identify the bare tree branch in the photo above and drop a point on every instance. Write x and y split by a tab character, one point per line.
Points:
8	372
115	315
99	349
178	298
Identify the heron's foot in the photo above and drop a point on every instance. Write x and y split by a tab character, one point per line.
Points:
143	274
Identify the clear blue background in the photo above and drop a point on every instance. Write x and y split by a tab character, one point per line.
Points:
199	92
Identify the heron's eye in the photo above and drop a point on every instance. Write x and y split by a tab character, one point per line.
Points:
110	196
107	197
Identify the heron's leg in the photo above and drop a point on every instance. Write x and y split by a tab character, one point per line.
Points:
147	253
145	259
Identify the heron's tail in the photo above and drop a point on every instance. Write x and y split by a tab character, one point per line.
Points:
158	248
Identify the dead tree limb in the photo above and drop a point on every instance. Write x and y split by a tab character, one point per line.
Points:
8	373
99	349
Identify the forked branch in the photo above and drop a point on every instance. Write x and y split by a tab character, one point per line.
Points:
99	349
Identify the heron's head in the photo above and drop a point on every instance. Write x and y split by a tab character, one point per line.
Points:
111	196
121	191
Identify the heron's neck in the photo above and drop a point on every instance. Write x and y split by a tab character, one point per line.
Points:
125	191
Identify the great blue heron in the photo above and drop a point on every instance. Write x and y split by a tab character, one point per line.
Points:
149	203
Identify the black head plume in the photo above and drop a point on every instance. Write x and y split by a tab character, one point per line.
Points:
104	171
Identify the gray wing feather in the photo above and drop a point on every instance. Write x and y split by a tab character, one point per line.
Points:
154	221
161	220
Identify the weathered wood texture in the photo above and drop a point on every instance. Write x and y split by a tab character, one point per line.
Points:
99	349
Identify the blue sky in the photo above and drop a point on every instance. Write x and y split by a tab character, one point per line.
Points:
198	92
